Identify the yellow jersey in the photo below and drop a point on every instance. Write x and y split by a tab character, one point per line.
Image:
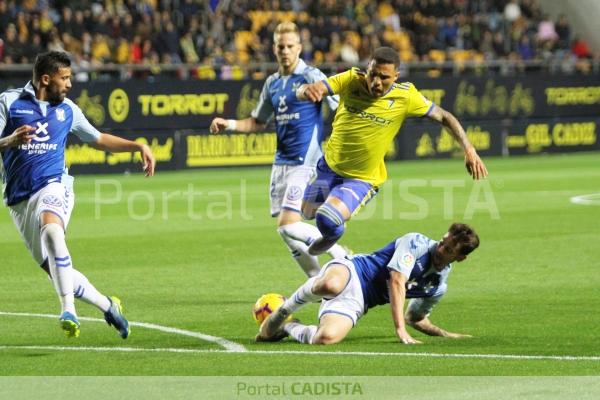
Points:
364	125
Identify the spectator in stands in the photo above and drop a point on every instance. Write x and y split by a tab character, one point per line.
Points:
563	30
454	23
525	49
580	48
5	15
12	48
546	32
188	48
512	11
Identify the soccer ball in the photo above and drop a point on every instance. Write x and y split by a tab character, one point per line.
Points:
265	305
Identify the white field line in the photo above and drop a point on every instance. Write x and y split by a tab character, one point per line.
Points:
231	347
307	353
592	199
226	344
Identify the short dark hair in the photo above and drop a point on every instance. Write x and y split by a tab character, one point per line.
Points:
464	236
49	63
386	55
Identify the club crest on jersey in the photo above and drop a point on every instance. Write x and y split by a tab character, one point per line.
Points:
282	105
60	114
295	86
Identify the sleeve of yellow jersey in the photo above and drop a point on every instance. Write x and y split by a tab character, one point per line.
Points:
418	105
336	84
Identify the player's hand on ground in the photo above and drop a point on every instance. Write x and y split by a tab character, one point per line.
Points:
217	125
405	337
21	135
474	164
148	161
453	335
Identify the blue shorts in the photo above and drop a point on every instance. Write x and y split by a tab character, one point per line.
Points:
353	192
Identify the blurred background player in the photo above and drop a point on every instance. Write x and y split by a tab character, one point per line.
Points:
34	124
299	126
412	266
371	112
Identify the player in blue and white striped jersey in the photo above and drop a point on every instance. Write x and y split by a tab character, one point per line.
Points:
299	127
410	267
34	124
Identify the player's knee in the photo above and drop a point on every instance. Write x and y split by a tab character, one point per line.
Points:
52	234
327	336
330	221
308	210
412	318
282	231
327	286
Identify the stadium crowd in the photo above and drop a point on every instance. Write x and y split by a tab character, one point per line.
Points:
150	32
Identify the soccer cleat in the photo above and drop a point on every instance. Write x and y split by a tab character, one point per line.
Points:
271	328
277	337
69	324
114	317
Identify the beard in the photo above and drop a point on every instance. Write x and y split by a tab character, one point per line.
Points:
55	95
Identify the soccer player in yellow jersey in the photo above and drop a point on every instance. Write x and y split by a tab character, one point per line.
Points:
371	112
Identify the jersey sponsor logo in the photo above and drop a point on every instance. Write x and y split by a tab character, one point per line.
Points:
294	193
282	107
60	114
52	200
41	133
285	118
38	148
39	145
365	115
18	111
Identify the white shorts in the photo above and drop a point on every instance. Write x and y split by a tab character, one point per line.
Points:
421	307
350	301
288	183
57	198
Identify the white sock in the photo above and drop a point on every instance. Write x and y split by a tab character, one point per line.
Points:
337	251
293	235
302	296
59	264
302	333
298	236
85	291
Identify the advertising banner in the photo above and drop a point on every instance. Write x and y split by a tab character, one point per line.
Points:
554	136
81	158
528	114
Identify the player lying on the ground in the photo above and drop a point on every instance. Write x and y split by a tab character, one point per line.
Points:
34	124
412	266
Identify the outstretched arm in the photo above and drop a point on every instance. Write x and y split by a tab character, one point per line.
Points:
312	92
239	125
115	144
474	165
424	325
397	296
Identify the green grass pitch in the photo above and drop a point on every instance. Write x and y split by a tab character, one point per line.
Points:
197	262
